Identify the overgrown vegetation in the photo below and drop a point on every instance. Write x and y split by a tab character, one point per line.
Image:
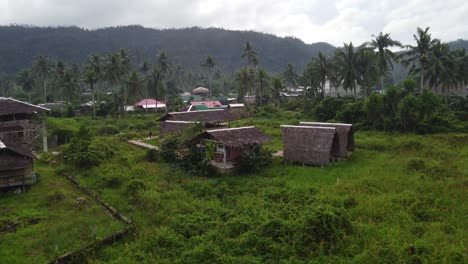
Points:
398	198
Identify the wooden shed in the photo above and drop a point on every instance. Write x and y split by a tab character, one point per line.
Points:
229	142
20	122
345	135
16	165
309	145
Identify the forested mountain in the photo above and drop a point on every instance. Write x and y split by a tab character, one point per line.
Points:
20	45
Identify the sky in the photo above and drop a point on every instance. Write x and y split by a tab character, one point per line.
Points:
332	21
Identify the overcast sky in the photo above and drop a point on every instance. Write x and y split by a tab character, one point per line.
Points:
333	21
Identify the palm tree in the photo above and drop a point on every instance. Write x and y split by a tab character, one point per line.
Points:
156	84
442	68
276	88
420	55
263	84
321	70
114	74
42	68
163	65
26	80
95	63
367	68
243	79
290	76
91	78
382	44
69	85
145	67
249	54
209	63
335	74
347	61
135	84
124	61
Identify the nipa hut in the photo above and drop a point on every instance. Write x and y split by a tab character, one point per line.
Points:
345	135
309	145
229	142
16	165
169	126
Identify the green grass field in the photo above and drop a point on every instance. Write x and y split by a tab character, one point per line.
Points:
48	221
399	198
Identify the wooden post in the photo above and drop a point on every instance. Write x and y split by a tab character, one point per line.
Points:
44	136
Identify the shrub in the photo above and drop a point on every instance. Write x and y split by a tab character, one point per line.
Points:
253	158
134	186
416	164
324	226
107	130
152	155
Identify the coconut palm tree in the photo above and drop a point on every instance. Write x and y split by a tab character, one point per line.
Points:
156	85
290	76
382	45
26	80
70	85
209	63
249	54
95	63
243	80
276	88
91	79
321	70
134	84
368	69
145	67
442	68
347	59
420	55
262	85
42	68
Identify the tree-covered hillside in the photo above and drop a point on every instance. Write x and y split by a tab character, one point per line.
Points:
20	45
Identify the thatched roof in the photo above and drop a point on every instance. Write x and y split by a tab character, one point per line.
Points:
207	116
16	148
10	106
237	137
309	145
345	135
175	126
200	90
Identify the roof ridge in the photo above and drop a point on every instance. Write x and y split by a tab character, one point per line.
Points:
182	122
21	102
307	126
211	110
324	123
228	129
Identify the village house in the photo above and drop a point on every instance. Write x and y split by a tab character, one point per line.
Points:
345	134
22	123
16	165
149	104
229	143
309	144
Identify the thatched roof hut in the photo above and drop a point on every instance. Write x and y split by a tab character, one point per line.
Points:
207	116
200	91
16	165
10	107
309	145
237	137
170	126
345	135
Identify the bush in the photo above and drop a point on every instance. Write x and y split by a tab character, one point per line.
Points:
134	186
107	130
152	155
253	158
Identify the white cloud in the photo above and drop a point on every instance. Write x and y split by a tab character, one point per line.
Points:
334	21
